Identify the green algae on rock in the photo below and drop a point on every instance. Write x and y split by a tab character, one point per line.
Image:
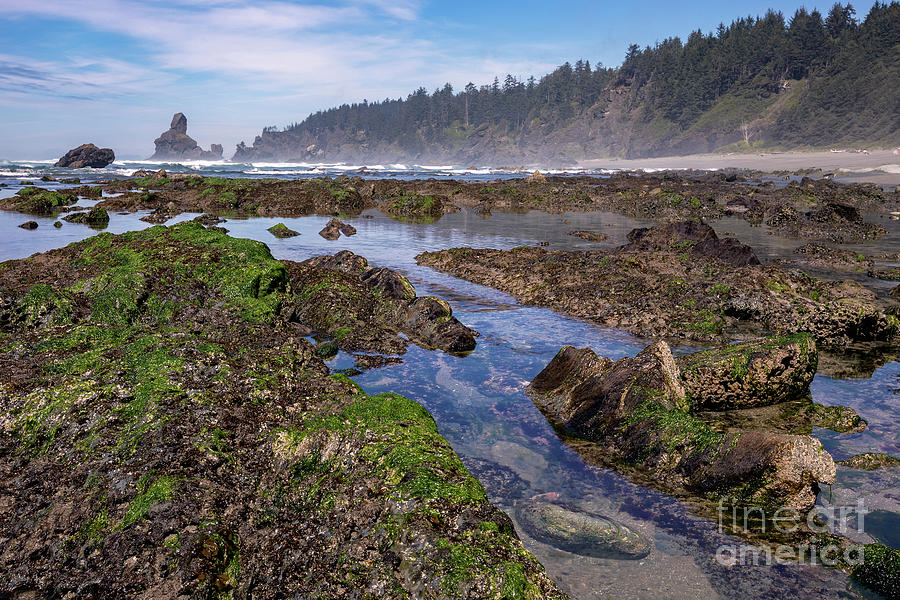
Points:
165	420
280	230
662	291
870	461
880	570
34	200
636	416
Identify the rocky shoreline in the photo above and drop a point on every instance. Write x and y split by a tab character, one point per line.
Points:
167	409
169	432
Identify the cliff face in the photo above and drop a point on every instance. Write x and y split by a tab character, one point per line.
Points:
176	144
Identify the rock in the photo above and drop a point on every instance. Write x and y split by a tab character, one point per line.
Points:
87	155
216	150
895	292
886	274
348	229
368	362
208	220
57	224
636	412
432	321
537	176
749	374
870	461
580	532
590	236
782	470
176	144
413	207
612	393
29	225
143	173
326	350
696	238
332	229
390	283
282	231
96	217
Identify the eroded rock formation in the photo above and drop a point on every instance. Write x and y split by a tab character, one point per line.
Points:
176	144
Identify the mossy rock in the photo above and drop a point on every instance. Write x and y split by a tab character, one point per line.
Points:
282	231
870	461
750	374
38	201
96	217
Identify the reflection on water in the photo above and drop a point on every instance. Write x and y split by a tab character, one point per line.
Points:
480	406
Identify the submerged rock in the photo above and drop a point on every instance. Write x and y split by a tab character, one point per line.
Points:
580	532
589	236
29	225
87	155
749	374
333	229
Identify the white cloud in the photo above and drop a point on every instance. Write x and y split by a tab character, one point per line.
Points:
272	62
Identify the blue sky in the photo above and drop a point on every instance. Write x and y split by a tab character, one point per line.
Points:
114	71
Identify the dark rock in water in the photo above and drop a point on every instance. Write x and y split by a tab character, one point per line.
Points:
500	482
345	261
870	461
367	362
57	224
326	350
332	229
590	236
748	374
156	217
29	225
96	217
176	144
208	220
580	532
431	319
87	155
348	229
637	411
282	231
895	292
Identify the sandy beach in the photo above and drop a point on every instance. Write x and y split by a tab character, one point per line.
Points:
879	166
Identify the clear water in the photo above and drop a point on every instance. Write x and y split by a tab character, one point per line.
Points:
480	406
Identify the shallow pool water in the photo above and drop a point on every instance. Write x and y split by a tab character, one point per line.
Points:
480	405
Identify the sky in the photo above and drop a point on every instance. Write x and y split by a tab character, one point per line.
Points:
113	72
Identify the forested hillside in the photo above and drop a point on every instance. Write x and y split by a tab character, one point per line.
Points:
807	81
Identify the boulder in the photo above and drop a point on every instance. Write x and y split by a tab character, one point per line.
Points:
96	217
29	225
87	155
636	411
749	374
176	144
431	321
580	532
333	229
282	231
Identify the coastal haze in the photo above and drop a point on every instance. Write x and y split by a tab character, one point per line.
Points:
426	300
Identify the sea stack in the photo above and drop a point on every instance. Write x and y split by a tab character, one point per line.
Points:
176	144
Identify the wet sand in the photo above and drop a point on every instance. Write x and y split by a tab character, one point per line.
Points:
879	166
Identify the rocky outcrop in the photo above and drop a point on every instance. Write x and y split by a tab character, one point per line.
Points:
750	374
96	217
35	200
870	461
335	227
366	308
165	419
87	155
677	281
638	415
176	144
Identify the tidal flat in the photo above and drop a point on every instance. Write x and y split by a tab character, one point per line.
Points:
213	401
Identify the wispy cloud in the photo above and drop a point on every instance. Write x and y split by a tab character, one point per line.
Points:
281	59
